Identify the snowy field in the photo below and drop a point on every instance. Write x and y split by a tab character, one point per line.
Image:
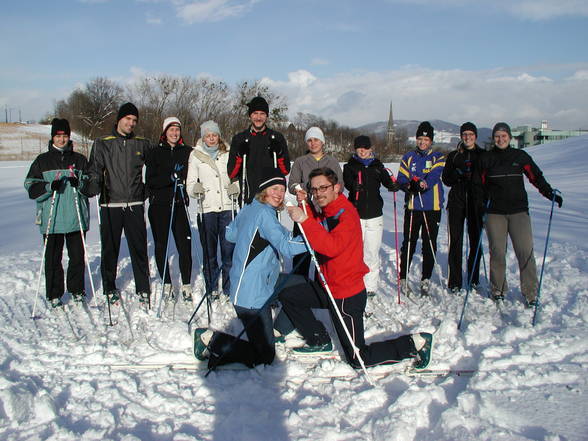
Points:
68	376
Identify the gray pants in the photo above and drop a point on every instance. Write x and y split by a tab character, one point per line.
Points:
518	227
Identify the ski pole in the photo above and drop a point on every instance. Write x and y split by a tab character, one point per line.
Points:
245	184
268	302
358	183
409	241
535	311
396	237
431	243
332	299
470	276
53	197
165	268
76	203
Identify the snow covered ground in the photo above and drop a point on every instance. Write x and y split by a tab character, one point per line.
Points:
69	376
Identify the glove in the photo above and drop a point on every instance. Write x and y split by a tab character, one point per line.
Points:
243	148
74	181
276	146
558	199
395	186
359	188
56	185
175	177
198	189
233	189
415	186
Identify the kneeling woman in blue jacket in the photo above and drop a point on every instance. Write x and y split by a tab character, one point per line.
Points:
259	239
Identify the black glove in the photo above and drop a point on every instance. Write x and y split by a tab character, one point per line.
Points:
243	148
558	200
415	186
56	185
395	186
359	188
74	181
276	146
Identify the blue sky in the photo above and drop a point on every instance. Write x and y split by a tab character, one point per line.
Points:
515	60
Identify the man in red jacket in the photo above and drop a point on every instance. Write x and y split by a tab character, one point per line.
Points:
335	235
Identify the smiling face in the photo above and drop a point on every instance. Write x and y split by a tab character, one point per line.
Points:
501	139
61	140
126	124
173	134
363	152
423	142
315	146
468	138
258	120
274	195
323	191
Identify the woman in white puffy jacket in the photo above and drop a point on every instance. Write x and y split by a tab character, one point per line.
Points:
209	183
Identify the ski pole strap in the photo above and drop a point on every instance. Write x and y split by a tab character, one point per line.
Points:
278	288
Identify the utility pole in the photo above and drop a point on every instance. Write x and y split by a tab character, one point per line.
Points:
6	111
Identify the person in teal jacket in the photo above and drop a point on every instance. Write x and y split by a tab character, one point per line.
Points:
56	178
419	177
259	240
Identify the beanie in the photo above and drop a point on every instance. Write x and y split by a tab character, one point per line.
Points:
501	127
468	126
425	129
362	141
271	176
209	127
169	121
60	127
127	109
257	103
314	132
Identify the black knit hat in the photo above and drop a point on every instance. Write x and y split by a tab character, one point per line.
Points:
60	127
468	126
271	176
501	127
362	141
425	129
127	109
257	103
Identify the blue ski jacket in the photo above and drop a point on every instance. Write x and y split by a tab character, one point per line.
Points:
258	238
427	166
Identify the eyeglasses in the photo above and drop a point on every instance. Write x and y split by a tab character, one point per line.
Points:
321	189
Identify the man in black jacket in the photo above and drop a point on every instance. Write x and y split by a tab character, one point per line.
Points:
502	171
255	149
464	203
116	173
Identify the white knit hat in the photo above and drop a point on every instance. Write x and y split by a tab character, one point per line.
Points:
209	127
170	120
314	132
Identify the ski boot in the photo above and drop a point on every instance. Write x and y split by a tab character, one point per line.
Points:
404	288
143	297
425	287
202	338
113	296
187	293
55	303
423	343
78	297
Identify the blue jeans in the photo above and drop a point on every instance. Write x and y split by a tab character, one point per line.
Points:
211	228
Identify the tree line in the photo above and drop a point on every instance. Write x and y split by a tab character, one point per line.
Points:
91	110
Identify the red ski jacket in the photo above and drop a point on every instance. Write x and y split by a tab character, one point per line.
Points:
335	235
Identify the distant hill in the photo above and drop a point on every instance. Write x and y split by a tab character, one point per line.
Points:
449	130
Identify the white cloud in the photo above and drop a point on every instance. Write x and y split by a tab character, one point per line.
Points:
212	10
525	9
452	95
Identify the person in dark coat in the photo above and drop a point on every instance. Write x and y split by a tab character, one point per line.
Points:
255	149
363	176
166	164
502	170
116	173
464	204
57	176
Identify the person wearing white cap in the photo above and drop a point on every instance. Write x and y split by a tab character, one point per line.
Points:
167	167
208	181
298	182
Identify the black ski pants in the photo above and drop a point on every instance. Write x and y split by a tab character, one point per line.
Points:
456	216
303	258
298	302
159	219
415	225
54	270
257	349
114	220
